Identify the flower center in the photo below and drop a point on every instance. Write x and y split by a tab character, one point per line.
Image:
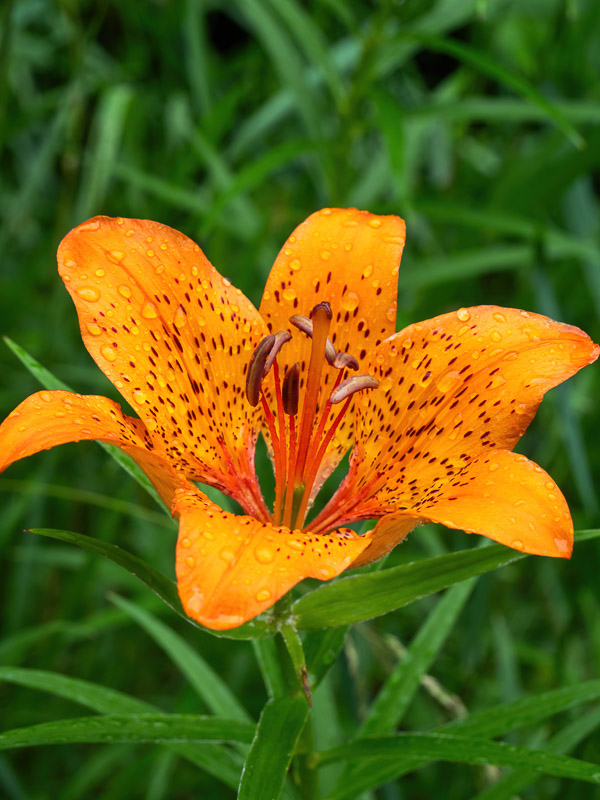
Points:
300	437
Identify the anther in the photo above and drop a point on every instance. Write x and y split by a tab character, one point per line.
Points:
305	325
281	337
290	389
345	361
256	369
323	305
351	385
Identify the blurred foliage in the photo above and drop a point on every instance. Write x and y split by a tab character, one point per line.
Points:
477	121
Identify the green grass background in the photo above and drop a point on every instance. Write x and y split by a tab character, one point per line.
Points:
232	120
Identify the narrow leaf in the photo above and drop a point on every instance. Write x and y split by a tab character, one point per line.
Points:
155	580
442	747
129	728
278	730
209	686
335	604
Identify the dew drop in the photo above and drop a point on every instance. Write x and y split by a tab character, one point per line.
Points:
391	314
180	317
93	329
495	336
116	256
263	595
108	352
88	293
325	255
264	555
149	311
190	561
139	396
521	408
289	293
517	544
375	223
100	273
497	381
45	397
494	466
499	317
447	381
368	271
124	290
227	555
295	264
295	544
463	314
350	301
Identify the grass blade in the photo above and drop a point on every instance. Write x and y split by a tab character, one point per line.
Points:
278	730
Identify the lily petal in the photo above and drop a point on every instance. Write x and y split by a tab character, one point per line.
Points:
508	498
389	531
350	259
46	419
449	389
231	568
173	336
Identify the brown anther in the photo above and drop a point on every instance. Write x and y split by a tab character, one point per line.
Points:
324	305
345	361
290	389
305	325
256	369
281	337
351	385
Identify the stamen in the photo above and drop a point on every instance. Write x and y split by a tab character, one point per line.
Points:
351	385
345	360
256	369
305	325
281	337
291	389
321	315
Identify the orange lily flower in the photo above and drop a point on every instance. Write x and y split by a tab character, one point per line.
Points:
431	413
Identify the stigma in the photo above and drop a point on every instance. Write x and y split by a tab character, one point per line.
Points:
301	432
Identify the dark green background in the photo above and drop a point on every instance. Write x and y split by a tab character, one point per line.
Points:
475	120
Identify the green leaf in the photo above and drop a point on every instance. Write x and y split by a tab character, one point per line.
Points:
209	686
278	730
129	728
336	603
224	764
381	592
155	580
322	649
51	383
399	689
463	749
512	784
490	723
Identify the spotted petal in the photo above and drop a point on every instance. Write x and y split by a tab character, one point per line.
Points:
350	259
47	419
501	495
173	336
451	388
231	568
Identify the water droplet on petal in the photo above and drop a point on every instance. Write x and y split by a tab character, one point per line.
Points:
295	264
116	256
289	293
264	555
108	352
463	314
88	293
100	273
391	314
124	290
94	329
517	544
350	301
497	381
368	271
375	223
494	466
499	317
45	397
447	381
325	255
263	595
295	544
227	555
149	311
180	317
495	336
189	561
139	396
561	545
